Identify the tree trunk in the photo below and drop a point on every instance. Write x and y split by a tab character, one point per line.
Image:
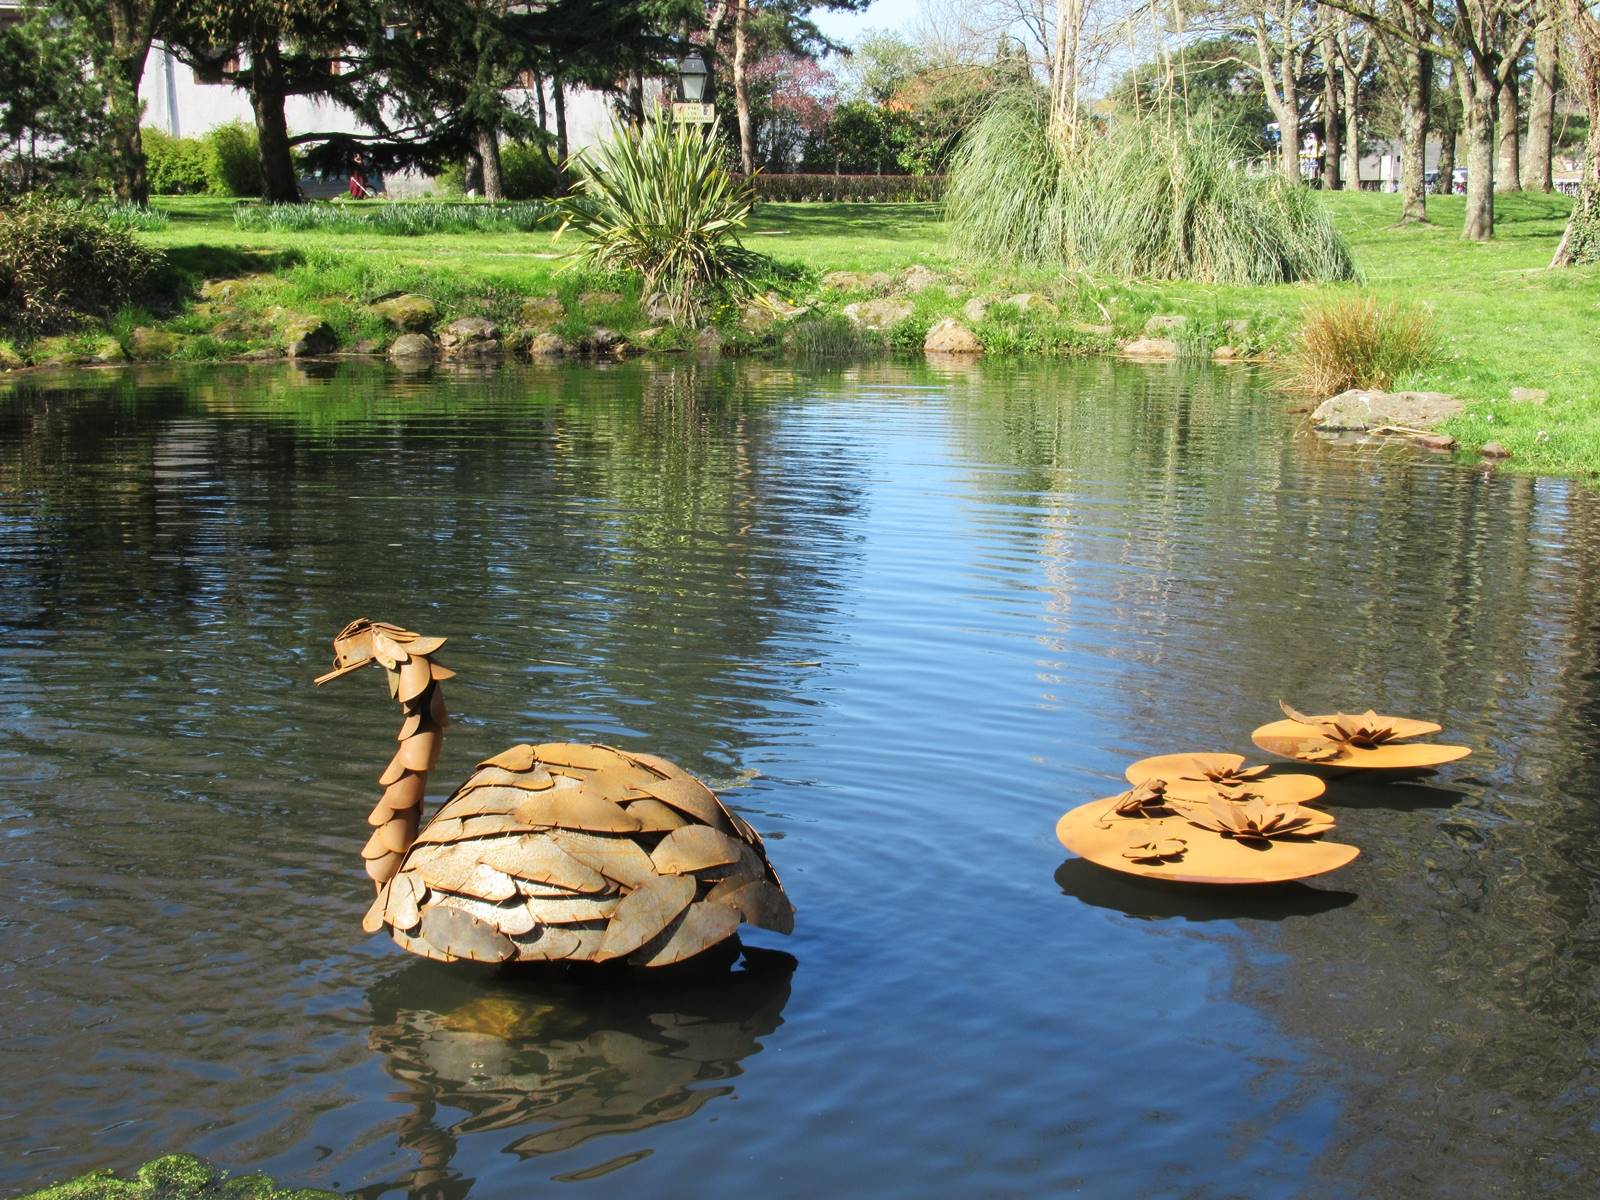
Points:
1418	83
278	182
1479	104
1536	158
472	173
1581	242
132	24
494	187
1508	172
558	94
1330	106
1445	183
741	87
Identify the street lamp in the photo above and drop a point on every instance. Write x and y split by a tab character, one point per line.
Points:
692	77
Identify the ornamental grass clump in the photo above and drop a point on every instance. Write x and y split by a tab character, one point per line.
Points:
1150	197
1355	342
660	200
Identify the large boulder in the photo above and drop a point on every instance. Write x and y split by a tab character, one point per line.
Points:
878	314
918	277
408	312
1359	410
975	309
470	337
305	337
950	336
541	312
1026	302
1152	349
845	281
411	349
549	345
149	343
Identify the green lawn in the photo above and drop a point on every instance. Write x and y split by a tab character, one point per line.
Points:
1505	320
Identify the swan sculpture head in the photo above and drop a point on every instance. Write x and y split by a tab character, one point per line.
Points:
364	641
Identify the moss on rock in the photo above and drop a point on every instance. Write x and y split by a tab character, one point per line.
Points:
174	1177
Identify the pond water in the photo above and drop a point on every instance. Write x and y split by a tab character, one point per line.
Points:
908	615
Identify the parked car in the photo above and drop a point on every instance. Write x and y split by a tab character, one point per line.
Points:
1458	185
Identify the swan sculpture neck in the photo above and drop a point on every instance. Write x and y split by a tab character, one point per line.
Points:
413	677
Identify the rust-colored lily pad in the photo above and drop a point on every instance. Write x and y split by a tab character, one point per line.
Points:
1205	856
1200	776
1369	741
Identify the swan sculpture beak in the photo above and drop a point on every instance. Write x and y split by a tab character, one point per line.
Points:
352	649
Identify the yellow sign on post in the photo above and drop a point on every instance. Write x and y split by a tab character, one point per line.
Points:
694	114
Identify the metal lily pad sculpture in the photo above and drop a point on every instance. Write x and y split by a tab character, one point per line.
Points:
1368	741
1151	831
552	852
1198	777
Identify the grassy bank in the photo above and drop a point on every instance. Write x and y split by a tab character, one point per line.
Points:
1504	320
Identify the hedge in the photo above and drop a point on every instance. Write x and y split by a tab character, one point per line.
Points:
850	188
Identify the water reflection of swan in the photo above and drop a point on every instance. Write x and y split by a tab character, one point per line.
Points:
555	1062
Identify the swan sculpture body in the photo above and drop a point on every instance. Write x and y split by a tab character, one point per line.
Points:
553	852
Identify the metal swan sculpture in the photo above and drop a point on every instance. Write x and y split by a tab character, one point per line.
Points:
555	852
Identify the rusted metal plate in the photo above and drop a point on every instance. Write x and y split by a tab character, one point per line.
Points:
382	868
421	751
654	762
536	857
415	945
528	781
618	858
576	754
690	796
373	921
654	816
759	902
693	848
547	943
462	935
479	801
700	927
575	808
570	912
516	758
644	913
512	919
461	868
406	894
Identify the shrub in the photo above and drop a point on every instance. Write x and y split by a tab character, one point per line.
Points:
233	163
844	188
1354	342
661	201
177	166
1150	197
61	262
526	173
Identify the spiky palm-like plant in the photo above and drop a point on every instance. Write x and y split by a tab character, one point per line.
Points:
660	200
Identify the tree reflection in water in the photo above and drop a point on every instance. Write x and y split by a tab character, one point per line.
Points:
556	1061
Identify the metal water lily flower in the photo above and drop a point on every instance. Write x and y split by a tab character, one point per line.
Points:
1252	821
